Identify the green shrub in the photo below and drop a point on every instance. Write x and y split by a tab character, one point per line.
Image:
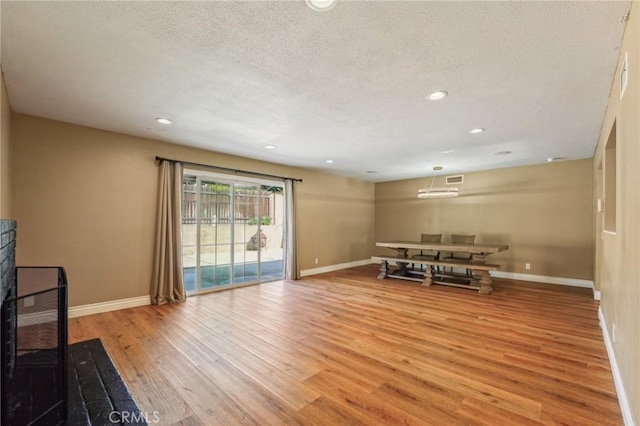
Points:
264	220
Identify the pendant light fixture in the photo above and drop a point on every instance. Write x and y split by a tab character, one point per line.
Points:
438	192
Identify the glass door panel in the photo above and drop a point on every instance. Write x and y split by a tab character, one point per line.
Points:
232	232
190	233
246	231
271	263
215	239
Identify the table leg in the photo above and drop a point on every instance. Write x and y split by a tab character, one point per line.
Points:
478	258
428	276
485	282
402	252
402	269
384	270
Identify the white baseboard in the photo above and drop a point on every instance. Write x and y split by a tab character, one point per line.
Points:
113	305
573	282
337	267
617	378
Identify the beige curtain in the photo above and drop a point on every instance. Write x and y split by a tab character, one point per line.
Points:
167	284
291	271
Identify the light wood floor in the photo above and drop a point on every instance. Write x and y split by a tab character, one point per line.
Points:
345	348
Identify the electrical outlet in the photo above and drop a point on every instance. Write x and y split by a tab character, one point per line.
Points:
29	301
613	333
527	266
316	260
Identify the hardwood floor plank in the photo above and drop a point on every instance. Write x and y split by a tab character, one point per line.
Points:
323	411
347	348
362	406
474	411
523	382
291	391
425	401
457	382
278	356
263	406
187	378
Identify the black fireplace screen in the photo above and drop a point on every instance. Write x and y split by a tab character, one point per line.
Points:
34	348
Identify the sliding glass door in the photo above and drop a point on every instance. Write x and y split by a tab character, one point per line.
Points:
232	231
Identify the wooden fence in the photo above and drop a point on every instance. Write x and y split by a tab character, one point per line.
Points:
249	204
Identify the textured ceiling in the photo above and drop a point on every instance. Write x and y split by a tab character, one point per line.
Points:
348	85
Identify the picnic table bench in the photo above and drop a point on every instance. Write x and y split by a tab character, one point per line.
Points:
480	279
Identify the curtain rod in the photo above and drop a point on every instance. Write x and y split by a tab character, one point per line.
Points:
236	171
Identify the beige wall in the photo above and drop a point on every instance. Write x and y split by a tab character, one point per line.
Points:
85	199
618	254
5	165
543	212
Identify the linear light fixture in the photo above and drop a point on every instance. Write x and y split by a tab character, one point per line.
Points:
431	192
437	193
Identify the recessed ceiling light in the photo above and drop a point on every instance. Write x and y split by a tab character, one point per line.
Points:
372	171
436	96
164	120
321	5
448	152
503	153
329	161
269	147
476	130
552	159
